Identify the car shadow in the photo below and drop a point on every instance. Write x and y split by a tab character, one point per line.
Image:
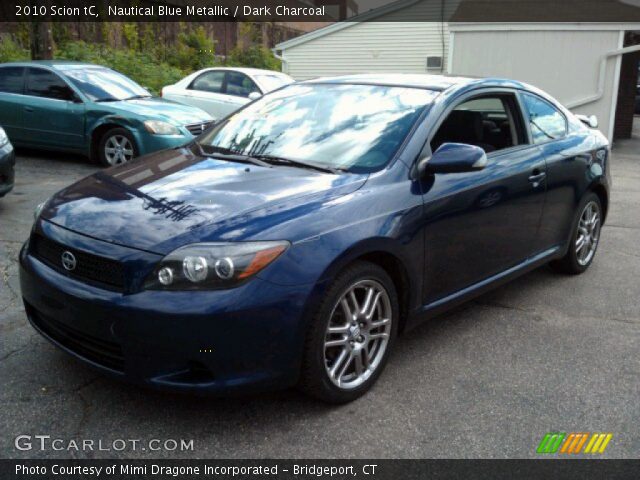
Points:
49	155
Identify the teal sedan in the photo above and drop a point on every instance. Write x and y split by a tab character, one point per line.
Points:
91	110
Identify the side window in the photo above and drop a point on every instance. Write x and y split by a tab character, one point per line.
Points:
488	122
43	83
211	81
11	79
240	85
546	122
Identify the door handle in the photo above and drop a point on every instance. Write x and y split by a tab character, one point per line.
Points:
536	178
28	109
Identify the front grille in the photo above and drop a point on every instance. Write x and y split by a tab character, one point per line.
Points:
197	128
102	271
102	352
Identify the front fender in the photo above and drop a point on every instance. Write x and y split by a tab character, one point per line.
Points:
96	121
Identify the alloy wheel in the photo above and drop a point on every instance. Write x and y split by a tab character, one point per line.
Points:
357	334
588	233
118	149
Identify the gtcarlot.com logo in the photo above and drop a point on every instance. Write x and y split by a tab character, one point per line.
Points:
46	442
574	443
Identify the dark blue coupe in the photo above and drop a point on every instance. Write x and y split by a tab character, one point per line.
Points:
292	241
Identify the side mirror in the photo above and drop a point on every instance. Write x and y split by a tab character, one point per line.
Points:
589	121
254	95
454	158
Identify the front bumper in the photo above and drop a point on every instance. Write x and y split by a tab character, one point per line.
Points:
249	337
7	162
149	143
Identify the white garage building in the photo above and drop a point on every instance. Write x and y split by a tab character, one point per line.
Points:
383	40
592	67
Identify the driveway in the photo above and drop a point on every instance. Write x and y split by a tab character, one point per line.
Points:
544	353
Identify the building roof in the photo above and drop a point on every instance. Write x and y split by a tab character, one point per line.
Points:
514	11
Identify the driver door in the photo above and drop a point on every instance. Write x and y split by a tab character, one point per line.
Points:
478	224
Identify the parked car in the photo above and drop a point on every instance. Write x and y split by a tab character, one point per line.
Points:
91	110
293	241
221	91
7	162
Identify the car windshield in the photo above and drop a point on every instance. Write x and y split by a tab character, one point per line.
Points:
349	127
272	82
102	84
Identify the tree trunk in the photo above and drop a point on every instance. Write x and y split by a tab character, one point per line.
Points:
41	41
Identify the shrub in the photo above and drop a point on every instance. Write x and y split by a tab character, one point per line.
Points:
143	59
140	66
255	56
193	51
10	51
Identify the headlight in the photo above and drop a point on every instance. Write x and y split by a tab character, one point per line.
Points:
158	127
207	266
3	137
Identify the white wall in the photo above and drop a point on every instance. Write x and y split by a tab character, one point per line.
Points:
369	47
563	62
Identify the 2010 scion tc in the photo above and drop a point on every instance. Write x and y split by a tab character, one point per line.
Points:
294	240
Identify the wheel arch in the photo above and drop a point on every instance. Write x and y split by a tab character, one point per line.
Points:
602	193
381	252
108	123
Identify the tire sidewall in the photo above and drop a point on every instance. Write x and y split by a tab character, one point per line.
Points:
315	344
103	141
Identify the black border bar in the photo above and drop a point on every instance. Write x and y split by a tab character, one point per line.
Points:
371	469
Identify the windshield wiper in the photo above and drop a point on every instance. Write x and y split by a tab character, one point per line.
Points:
228	154
298	163
107	99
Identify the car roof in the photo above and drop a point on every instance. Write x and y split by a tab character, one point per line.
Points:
247	71
429	82
52	63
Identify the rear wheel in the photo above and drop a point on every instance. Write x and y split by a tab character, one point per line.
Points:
584	238
351	336
117	146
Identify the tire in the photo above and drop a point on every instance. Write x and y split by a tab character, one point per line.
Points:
577	260
370	339
122	144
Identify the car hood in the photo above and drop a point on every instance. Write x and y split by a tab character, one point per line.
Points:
174	197
159	108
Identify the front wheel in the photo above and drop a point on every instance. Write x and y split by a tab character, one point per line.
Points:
117	146
584	238
349	341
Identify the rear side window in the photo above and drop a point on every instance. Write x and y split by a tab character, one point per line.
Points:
11	79
43	83
547	123
240	85
212	82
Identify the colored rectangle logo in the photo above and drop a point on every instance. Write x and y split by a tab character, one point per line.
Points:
574	443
